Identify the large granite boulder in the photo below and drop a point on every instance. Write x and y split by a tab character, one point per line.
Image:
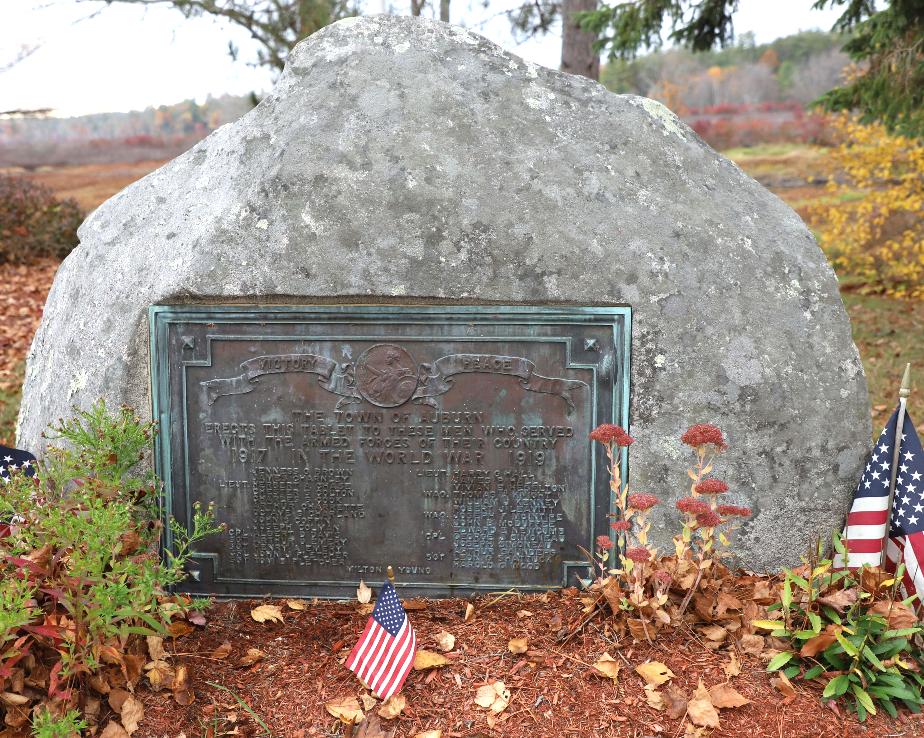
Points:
403	160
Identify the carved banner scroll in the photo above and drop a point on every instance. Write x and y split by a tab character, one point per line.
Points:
436	378
387	376
331	376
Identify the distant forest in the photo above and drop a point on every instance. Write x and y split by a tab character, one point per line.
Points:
796	68
153	133
742	95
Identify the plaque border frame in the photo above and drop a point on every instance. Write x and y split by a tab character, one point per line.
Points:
160	317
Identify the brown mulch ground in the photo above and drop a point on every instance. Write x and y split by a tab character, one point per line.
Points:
21	303
558	696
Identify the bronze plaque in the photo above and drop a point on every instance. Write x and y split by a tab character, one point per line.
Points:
450	442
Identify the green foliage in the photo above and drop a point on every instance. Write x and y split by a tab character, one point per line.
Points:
33	223
45	724
79	571
889	43
626	27
850	633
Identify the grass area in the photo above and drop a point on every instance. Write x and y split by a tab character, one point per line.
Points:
889	333
9	409
768	149
92	184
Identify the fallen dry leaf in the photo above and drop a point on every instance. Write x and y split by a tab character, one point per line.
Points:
752	644
469	612
371	727
494	697
132	713
897	614
715	633
445	641
393	706
159	674
676	702
345	709
363	593
815	645
429	734
723	696
222	652
725	603
733	667
762	594
424	659
518	645
131	667
179	628
252	656
524	614
117	698
655	699
156	648
700	709
654	673
368	701
182	692
113	730
296	604
267	612
14	699
784	686
607	666
840	600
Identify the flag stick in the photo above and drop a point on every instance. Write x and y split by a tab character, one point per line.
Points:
903	393
391	575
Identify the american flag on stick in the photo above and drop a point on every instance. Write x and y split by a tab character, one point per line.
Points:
384	654
13	460
898	456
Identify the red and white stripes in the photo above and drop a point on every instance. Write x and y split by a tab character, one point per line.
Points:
865	532
381	661
910	550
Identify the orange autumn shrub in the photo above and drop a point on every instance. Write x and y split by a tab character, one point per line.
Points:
873	231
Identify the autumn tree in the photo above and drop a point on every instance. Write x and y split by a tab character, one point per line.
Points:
872	228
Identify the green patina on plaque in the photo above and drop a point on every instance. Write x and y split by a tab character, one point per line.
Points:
450	442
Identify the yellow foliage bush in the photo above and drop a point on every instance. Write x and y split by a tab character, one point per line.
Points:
872	229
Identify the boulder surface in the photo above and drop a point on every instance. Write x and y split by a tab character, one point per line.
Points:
407	160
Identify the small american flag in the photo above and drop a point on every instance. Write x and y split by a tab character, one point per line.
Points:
12	460
384	654
866	523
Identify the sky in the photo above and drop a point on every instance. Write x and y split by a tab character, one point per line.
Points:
94	57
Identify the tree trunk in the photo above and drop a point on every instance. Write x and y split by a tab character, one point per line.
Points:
417	7
577	53
444	11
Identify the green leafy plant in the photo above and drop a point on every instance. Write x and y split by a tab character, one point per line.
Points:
849	631
80	574
46	724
